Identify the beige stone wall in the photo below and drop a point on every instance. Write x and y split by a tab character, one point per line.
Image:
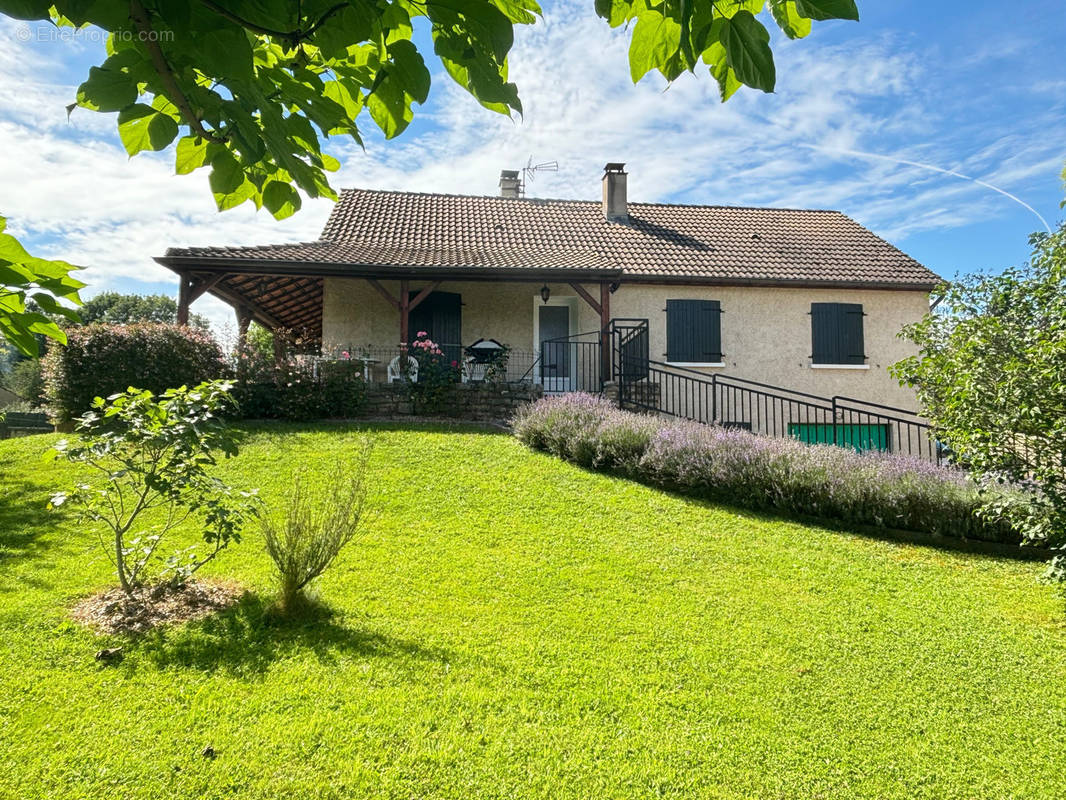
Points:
766	333
353	313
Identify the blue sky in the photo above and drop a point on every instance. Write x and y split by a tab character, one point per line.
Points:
976	88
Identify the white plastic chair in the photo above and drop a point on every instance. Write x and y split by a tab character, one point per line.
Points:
394	373
473	370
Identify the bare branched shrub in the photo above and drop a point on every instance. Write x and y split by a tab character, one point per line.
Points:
323	514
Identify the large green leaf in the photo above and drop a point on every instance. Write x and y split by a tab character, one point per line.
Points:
281	199
655	39
141	127
828	9
789	19
107	90
191	154
747	46
721	71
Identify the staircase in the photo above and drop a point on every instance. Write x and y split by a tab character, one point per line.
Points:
640	383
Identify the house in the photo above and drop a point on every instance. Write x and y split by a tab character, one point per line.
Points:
806	300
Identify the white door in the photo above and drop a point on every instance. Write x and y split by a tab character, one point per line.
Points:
553	325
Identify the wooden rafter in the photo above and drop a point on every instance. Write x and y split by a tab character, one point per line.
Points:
588	298
384	293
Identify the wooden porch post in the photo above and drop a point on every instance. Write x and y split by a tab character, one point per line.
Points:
184	299
405	314
281	347
244	318
605	332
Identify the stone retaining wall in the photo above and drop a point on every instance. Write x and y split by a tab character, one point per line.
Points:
479	402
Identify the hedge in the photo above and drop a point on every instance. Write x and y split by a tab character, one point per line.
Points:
739	468
101	360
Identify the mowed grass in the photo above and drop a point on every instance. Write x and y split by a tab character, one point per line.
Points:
512	626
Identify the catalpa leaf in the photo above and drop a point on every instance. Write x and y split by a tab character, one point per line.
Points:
191	154
107	90
143	128
828	9
747	47
655	40
789	20
281	199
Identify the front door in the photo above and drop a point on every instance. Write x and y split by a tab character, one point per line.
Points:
555	357
441	316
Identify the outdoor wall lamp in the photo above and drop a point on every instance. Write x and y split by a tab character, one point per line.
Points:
545	293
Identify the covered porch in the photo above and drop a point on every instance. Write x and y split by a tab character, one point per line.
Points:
553	323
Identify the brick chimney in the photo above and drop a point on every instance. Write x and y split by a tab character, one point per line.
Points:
615	205
510	186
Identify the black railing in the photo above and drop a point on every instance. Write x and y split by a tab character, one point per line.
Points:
570	364
761	408
375	362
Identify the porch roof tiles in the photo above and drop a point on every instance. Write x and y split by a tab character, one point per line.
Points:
413	232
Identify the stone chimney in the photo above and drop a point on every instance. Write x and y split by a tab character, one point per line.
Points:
510	186
615	205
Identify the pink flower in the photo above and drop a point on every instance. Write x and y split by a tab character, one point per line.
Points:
455	363
422	333
345	355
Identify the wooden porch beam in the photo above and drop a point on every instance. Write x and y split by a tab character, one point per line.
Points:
197	289
418	298
257	313
384	293
577	287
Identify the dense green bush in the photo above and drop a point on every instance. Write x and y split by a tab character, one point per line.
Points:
737	467
298	389
102	360
27	381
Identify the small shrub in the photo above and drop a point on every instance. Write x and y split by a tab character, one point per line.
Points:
321	517
102	360
736	467
153	453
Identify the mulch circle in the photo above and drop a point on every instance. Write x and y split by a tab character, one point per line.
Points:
112	612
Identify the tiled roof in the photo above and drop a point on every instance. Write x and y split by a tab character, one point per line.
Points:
658	242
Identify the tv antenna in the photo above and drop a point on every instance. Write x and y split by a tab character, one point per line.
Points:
530	170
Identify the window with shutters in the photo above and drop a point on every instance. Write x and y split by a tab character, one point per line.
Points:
836	334
694	331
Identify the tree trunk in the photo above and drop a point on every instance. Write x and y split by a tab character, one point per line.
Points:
120	565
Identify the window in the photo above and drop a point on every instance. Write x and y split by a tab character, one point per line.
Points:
836	334
694	331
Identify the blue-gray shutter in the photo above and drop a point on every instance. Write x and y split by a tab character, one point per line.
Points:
837	333
693	331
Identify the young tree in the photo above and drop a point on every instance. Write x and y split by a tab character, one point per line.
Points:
991	376
153	453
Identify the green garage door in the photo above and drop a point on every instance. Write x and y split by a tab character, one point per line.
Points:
861	437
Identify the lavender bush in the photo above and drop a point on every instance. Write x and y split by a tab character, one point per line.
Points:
736	467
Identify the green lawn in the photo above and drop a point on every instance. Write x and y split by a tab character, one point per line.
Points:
513	626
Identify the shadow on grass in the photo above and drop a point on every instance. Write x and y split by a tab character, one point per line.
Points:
250	636
24	520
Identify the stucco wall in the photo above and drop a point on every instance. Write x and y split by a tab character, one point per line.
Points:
766	333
